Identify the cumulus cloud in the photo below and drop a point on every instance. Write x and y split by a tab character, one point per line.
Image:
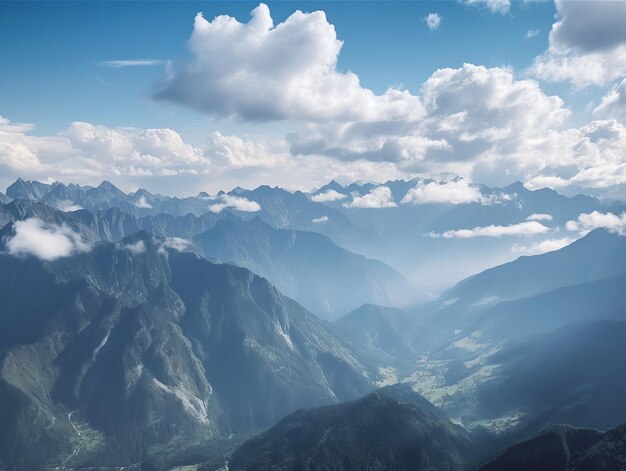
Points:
587	222
235	202
328	195
433	20
539	217
236	152
86	151
261	71
494	6
478	121
47	242
528	228
379	197
320	219
548	245
587	44
590	157
451	192
613	104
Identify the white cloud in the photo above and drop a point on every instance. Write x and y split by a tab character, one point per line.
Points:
320	219
527	228
587	222
494	6
480	122
118	64
379	197
548	245
531	33
328	195
47	242
235	202
67	206
136	248
587	44
178	244
451	192
142	202
433	20
539	217
613	104
236	152
260	71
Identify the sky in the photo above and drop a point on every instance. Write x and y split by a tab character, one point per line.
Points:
201	96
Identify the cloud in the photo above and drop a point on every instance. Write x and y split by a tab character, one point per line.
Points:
87	153
136	248
320	219
67	206
539	217
143	203
433	20
494	6
379	197
452	192
587	222
590	157
531	33
45	241
587	44
118	64
236	152
527	228
478	121
235	202
178	244
613	104
261	71
548	245
328	195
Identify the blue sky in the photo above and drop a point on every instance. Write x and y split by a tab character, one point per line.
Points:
547	109
51	72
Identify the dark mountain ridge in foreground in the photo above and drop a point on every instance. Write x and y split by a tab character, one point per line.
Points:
392	428
565	448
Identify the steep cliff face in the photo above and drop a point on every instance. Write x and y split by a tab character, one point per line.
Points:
140	344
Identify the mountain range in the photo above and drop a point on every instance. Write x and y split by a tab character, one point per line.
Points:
245	329
142	343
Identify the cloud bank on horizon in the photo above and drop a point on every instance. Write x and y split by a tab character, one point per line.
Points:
491	125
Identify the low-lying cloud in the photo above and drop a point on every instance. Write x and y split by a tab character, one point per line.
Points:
328	195
45	241
528	228
451	192
234	202
587	222
379	197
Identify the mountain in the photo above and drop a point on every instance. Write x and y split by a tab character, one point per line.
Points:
573	375
307	266
392	428
598	255
133	345
565	448
383	336
30	190
4	199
